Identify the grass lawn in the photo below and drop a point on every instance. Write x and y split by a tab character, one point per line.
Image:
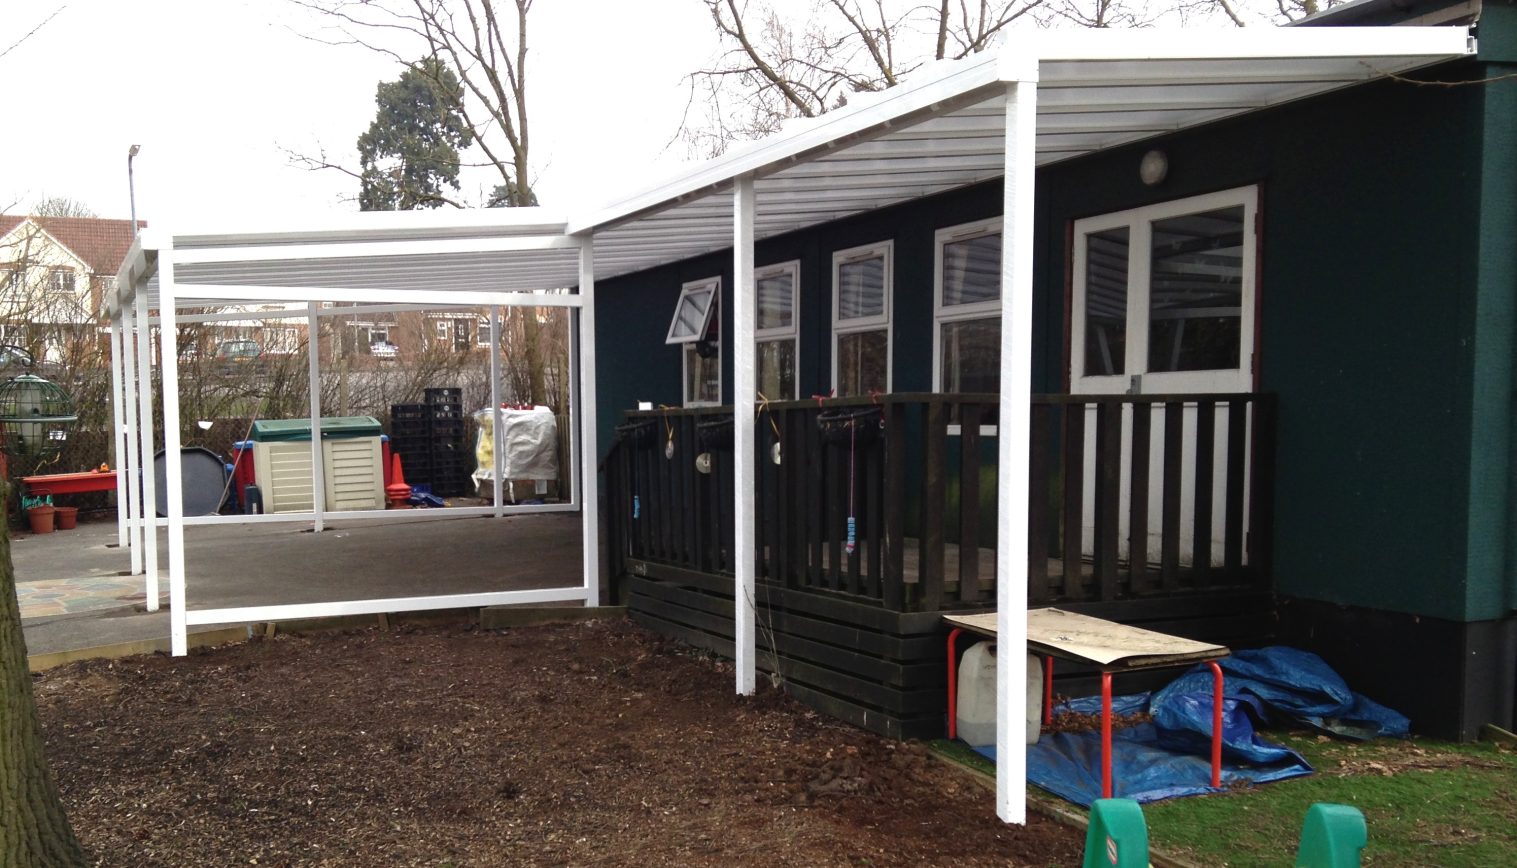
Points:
1427	803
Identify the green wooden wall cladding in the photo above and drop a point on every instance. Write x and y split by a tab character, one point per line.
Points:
1371	251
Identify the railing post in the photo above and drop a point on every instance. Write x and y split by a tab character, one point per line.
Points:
894	590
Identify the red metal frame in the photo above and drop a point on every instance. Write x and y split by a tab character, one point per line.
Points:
953	683
1106	775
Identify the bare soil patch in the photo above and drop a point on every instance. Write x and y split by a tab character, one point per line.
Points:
593	743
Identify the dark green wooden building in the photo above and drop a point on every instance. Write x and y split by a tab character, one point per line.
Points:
1278	340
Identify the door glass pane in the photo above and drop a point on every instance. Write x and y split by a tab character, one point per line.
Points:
703	376
972	355
775	296
1196	292
862	359
861	288
1106	256
776	369
972	270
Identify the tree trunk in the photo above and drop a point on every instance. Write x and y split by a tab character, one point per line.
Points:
532	337
34	831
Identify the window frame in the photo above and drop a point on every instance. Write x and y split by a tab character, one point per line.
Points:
858	325
943	314
712	286
687	345
791	332
1139	222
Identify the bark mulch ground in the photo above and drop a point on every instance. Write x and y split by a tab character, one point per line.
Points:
593	743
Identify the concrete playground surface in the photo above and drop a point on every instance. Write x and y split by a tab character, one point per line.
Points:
74	591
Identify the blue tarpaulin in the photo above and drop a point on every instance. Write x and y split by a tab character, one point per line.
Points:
1171	756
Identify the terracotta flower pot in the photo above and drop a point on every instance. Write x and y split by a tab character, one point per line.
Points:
66	517
41	518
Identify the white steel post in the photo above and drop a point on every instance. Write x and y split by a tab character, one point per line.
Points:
149	508
313	357
575	489
133	444
495	462
589	479
1014	436
743	445
118	434
173	477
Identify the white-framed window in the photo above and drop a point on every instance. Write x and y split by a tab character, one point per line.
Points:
697	330
1163	297
777	326
861	279
966	337
61	280
444	330
482	331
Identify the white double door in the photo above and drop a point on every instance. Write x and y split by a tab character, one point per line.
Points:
1164	304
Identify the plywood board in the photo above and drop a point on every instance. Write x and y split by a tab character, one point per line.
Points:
1096	640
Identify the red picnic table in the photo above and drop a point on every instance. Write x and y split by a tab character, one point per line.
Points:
1106	645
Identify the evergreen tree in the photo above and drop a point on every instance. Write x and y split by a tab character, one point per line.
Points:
409	156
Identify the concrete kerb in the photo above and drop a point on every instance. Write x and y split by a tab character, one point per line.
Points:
490	618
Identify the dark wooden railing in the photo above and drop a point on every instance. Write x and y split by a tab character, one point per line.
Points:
915	473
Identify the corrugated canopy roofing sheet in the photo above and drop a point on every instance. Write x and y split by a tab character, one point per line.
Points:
943	128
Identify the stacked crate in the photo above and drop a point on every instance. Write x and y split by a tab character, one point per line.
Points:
430	440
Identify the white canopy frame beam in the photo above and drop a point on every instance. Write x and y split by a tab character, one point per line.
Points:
173	295
1014	445
744	489
129	413
313	371
119	445
197	293
588	484
356	310
146	471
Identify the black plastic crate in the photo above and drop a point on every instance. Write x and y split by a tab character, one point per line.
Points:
451	412
402	412
449	395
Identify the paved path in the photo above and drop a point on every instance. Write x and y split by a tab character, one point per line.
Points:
73	593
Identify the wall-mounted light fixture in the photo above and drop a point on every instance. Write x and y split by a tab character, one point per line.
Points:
1153	168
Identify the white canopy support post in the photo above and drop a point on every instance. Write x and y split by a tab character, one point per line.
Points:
313	357
133	446
584	400
743	445
118	435
149	507
173	477
1015	446
577	493
495	416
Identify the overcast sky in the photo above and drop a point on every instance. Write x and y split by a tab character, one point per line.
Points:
215	90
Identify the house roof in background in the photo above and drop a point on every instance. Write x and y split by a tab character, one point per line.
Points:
102	244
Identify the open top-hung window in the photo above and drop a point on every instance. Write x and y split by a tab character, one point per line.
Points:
967	340
861	279
696	328
777	287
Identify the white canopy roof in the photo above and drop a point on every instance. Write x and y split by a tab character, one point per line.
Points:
942	128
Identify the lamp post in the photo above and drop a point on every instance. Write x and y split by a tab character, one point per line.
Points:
131	184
